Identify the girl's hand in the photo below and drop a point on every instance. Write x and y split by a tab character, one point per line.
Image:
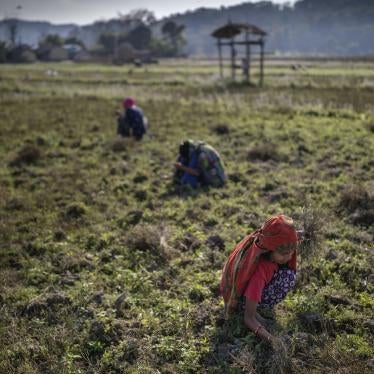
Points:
178	166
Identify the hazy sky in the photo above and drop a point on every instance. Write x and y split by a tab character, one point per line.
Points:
87	11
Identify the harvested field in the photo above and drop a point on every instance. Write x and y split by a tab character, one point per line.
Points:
106	267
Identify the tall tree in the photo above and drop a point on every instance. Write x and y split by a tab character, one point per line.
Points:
54	40
108	41
3	51
140	37
47	44
174	34
12	26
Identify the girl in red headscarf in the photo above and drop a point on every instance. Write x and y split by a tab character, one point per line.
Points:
262	269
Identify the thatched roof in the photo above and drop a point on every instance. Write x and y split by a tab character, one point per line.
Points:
232	29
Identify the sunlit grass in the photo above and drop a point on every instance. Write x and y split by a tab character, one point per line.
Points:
105	267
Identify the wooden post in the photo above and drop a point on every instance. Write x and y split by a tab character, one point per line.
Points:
220	58
247	58
249	63
233	53
261	63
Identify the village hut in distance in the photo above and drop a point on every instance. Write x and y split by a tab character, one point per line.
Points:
251	36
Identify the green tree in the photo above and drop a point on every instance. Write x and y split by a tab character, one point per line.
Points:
13	27
47	44
174	34
161	48
108	42
140	37
54	40
3	51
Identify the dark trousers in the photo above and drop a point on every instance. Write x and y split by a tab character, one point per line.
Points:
122	127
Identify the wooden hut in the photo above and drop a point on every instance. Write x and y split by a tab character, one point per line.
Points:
250	36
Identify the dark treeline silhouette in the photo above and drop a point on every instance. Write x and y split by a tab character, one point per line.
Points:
128	38
309	27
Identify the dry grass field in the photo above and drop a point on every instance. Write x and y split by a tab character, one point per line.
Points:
107	267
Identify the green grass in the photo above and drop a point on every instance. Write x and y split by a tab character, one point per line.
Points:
106	267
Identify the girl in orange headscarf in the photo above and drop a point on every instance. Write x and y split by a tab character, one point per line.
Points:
262	268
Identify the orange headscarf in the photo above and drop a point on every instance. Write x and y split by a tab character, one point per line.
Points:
276	233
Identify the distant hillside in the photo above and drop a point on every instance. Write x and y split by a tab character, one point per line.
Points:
332	27
329	27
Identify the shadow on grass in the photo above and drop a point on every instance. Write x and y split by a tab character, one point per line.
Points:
233	346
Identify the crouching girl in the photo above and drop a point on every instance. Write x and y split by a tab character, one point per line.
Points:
261	270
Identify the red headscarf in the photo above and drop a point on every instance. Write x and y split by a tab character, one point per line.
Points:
276	233
128	102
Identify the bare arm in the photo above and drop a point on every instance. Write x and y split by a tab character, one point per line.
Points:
186	169
253	324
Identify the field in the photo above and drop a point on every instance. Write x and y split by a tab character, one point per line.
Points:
107	267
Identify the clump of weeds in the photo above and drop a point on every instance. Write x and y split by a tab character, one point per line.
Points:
353	197
263	152
356	201
148	238
222	129
310	223
119	144
75	210
370	126
244	361
28	154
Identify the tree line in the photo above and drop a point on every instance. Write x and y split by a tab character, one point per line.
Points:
127	38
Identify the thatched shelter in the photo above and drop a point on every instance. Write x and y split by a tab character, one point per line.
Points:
251	36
